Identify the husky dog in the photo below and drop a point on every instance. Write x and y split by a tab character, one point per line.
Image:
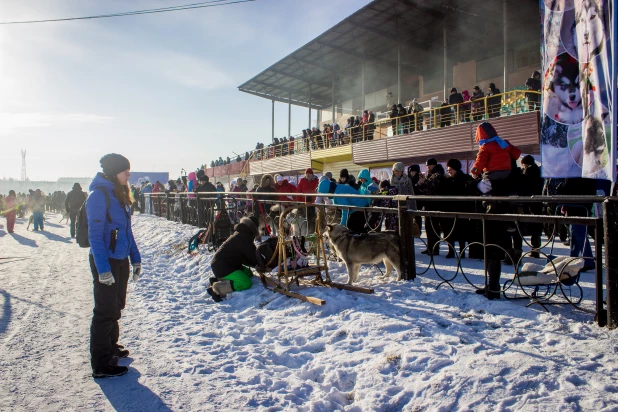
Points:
355	250
588	30
65	216
565	86
594	145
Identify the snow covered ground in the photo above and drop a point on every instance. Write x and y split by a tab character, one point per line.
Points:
408	347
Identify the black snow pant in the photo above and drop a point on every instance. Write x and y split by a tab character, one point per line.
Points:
108	304
73	217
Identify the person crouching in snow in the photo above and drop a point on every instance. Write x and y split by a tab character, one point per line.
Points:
231	262
494	158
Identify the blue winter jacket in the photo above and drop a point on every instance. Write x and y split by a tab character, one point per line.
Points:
367	188
324	187
100	230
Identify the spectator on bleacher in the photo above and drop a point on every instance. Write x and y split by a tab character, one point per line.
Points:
478	105
212	163
404	120
534	84
357	129
455	98
246	155
465	107
371	126
417	120
445	114
389	100
327	135
494	103
291	145
283	186
393	116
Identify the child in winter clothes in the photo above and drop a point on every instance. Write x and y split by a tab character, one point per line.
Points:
391	219
232	260
494	158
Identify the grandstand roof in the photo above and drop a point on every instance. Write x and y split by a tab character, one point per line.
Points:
372	34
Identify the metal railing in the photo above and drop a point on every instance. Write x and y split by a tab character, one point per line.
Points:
488	107
201	208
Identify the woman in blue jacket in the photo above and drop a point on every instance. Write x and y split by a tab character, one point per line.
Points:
111	245
354	220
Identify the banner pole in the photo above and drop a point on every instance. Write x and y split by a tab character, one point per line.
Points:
614	119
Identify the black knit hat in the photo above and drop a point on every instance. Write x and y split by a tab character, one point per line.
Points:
527	160
431	162
414	168
344	173
113	163
77	186
454	164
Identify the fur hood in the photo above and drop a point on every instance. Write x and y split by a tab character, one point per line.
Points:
264	178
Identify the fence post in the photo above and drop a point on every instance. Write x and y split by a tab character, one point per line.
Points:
408	269
167	206
610	226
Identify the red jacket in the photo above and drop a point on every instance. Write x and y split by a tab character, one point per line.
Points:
285	187
491	157
306	186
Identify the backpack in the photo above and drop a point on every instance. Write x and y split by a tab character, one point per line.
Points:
81	227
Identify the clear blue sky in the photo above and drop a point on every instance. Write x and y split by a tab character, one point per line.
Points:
160	89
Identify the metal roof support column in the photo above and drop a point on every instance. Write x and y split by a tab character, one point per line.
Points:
273	121
505	39
363	85
333	118
309	125
289	115
399	73
445	65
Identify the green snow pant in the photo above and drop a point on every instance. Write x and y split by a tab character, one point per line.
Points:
241	279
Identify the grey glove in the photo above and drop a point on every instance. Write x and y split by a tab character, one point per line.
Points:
106	278
137	271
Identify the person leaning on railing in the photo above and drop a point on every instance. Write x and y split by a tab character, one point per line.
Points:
393	115
478	107
534	84
416	109
493	103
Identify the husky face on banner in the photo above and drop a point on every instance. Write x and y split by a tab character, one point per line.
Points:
576	125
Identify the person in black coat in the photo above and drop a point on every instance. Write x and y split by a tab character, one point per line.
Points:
232	260
534	84
532	185
393	115
455	98
456	183
74	201
580	244
494	103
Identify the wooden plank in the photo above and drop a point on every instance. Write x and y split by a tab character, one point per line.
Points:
310	299
350	287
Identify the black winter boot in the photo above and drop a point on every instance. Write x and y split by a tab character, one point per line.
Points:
494	268
109	371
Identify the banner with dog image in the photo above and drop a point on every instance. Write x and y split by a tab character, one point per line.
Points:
576	139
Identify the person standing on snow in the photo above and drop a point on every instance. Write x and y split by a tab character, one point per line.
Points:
74	201
38	209
111	246
10	202
308	184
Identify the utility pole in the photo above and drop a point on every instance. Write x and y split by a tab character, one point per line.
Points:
23	165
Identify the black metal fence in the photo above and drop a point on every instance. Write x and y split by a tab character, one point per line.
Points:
201	209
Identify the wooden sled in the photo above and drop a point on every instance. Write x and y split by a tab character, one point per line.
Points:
317	275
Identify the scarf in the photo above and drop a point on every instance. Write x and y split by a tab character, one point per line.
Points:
496	139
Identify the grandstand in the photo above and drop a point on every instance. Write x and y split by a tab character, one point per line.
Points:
405	49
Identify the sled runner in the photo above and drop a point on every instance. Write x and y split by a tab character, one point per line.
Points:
295	267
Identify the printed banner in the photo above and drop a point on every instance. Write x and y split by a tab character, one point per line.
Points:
576	139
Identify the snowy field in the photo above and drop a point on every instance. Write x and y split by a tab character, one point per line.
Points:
408	347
